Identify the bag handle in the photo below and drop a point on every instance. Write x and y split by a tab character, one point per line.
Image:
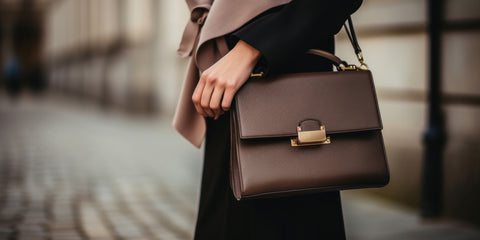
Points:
334	59
339	63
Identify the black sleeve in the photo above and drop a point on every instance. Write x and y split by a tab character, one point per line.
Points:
294	28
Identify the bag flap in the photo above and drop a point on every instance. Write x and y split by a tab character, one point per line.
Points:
273	107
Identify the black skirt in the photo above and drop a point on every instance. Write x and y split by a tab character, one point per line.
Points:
221	216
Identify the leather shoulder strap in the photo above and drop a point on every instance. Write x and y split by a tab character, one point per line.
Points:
351	35
353	40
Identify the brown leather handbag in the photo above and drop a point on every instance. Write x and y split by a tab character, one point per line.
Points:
308	132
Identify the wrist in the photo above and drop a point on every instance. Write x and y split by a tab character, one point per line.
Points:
247	52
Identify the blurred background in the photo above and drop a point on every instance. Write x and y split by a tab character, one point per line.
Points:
87	94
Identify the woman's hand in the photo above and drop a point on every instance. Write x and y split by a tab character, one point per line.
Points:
219	83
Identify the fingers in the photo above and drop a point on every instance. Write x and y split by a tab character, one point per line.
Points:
197	96
215	101
213	97
218	84
207	96
205	100
228	98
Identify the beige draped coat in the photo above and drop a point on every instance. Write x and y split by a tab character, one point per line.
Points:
203	39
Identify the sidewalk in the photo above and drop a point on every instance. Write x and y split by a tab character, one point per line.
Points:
72	171
370	218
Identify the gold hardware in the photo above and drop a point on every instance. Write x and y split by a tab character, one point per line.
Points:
294	142
260	74
348	68
363	65
310	138
360	57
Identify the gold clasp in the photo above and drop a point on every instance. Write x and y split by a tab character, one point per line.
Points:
310	138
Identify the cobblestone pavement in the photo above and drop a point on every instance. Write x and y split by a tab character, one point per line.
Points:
70	171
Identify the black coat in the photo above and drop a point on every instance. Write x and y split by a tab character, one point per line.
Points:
282	35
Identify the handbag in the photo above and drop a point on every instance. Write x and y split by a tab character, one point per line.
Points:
307	132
